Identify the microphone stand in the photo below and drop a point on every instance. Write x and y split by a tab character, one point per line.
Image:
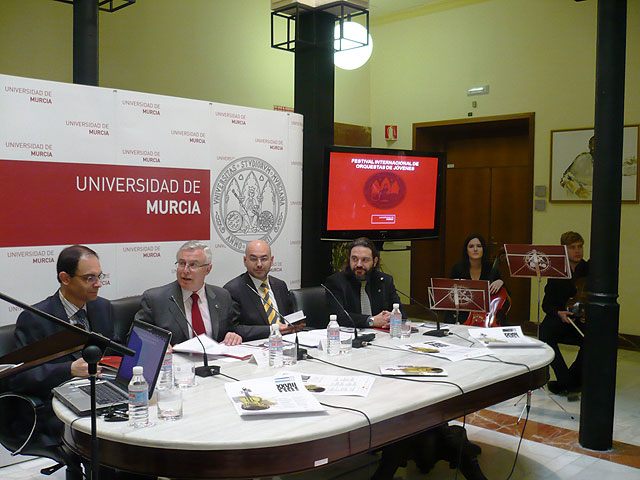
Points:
438	332
94	346
360	340
301	353
205	370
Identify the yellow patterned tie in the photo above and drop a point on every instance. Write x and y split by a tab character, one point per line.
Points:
268	307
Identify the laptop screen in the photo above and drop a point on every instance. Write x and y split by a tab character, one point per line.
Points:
150	344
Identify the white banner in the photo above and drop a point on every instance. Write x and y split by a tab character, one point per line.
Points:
133	176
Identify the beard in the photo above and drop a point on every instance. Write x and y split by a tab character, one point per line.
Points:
360	274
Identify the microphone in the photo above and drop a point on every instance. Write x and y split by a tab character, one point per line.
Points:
205	370
360	340
432	333
301	353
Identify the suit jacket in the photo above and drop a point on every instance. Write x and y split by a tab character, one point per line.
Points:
158	309
558	291
253	317
380	288
30	328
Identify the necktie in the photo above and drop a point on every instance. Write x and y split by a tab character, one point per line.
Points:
268	307
81	319
196	316
365	304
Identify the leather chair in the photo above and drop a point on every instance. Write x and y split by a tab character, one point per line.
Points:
20	437
313	301
124	311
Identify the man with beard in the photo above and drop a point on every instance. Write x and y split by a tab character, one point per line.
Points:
365	292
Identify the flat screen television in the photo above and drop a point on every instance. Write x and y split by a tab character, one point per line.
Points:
382	194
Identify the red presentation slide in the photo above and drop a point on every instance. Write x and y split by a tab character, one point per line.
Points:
46	203
381	192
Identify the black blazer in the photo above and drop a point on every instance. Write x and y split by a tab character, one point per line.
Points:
380	288
253	318
39	381
559	290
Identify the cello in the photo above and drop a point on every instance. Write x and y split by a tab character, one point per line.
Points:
499	304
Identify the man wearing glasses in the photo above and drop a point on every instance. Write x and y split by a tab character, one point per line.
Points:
76	301
189	307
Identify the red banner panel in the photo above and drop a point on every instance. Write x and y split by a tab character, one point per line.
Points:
47	203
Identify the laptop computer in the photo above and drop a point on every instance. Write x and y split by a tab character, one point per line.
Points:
150	344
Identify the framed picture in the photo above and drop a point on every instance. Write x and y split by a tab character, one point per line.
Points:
571	177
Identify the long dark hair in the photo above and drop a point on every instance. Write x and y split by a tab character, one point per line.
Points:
465	255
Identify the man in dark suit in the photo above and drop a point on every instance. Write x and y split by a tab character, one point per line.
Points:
188	304
262	298
80	277
365	292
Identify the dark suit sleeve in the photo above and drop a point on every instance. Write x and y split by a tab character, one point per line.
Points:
146	311
248	326
40	380
229	315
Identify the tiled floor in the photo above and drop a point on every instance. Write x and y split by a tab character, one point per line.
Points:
549	451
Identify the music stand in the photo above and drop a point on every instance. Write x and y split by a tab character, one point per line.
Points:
537	261
459	295
69	340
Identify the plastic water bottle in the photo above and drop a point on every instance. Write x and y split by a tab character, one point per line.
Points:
333	336
275	346
396	321
165	379
138	399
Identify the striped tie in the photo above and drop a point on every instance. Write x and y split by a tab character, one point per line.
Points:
365	303
81	320
268	307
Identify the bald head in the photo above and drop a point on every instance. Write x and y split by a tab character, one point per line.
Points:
258	259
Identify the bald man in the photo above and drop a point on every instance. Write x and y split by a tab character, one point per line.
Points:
262	297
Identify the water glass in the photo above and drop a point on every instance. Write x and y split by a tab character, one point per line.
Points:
289	354
347	335
184	374
405	328
169	402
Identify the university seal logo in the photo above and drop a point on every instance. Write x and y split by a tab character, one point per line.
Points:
248	202
385	190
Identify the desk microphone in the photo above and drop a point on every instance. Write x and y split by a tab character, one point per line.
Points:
205	370
360	340
432	333
301	352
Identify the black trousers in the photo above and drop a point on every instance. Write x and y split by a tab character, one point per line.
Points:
554	331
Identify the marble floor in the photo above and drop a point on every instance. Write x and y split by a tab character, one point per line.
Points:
549	450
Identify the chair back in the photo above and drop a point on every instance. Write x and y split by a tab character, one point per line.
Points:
312	300
124	310
7	343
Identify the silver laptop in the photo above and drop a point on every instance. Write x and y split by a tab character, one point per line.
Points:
150	344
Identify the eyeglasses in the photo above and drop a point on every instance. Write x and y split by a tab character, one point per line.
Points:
91	278
192	266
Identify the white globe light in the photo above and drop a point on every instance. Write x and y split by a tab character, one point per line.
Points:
352	55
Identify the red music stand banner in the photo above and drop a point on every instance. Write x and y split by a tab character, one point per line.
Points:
549	261
460	295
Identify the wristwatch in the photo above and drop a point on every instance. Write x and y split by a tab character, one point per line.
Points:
369	321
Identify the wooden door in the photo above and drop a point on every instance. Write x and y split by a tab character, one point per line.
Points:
489	188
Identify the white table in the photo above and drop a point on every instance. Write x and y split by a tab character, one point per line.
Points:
213	441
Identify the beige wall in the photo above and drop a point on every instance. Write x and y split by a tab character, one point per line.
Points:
537	55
